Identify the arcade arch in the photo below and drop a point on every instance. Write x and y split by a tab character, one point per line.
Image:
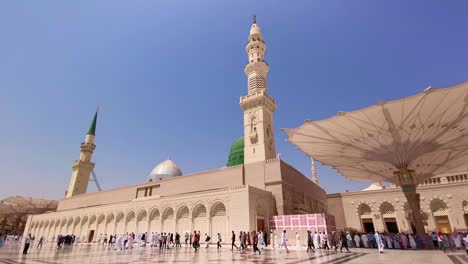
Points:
168	224
439	211
387	210
200	219
183	220
365	215
219	221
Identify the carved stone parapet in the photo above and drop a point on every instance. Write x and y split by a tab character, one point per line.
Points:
260	98
259	67
77	163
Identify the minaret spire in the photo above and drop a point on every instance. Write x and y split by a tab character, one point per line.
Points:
314	171
82	168
258	106
92	127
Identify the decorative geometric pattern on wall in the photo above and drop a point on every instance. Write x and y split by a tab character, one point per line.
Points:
257	83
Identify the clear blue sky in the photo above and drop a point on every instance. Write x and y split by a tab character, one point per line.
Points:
168	75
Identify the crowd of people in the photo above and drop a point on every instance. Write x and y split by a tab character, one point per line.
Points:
439	240
258	240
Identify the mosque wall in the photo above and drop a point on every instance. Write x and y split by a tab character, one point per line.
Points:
214	211
294	193
301	195
118	195
221	178
444	207
336	208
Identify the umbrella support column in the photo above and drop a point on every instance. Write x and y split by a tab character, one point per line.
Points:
414	203
407	180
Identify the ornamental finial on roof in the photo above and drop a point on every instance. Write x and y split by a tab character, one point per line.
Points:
254	19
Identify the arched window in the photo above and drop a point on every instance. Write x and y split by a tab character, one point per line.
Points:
200	211
387	208
183	212
364	210
438	207
260	210
465	206
218	210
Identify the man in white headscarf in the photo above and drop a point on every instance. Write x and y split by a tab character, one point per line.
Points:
378	241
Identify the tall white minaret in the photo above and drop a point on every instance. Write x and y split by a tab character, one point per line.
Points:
314	171
258	106
82	168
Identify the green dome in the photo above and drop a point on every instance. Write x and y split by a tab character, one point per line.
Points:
236	155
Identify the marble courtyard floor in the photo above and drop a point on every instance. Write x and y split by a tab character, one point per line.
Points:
92	253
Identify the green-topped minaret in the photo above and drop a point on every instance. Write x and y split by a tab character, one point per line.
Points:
92	127
82	168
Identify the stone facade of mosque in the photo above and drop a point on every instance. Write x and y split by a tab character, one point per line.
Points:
255	185
443	201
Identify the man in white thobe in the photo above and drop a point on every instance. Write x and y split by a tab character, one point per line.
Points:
317	240
284	241
153	239
357	240
378	241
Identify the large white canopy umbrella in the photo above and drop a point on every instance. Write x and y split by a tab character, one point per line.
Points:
404	141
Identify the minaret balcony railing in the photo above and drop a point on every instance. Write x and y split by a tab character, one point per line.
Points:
88	147
84	143
76	162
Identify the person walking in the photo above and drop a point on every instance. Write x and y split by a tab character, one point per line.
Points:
39	244
255	242
275	240
219	241
378	241
284	241
196	238
186	239
466	243
325	241
298	241
177	240
233	240
334	241
310	242
153	239
344	242
260	242
350	239
27	242
207	240
191	239
143	239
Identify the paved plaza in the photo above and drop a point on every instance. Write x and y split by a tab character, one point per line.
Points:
92	253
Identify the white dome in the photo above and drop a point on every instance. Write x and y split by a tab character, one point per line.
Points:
165	169
374	186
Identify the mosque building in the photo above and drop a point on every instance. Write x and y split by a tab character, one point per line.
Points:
254	186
